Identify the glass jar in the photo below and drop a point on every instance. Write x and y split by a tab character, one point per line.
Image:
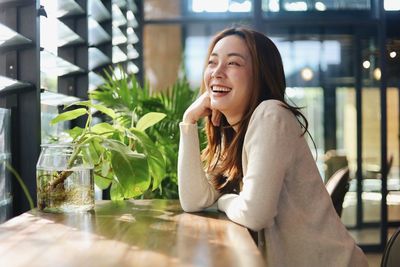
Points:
64	177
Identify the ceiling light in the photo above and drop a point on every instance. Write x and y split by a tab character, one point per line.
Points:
377	74
366	64
320	6
307	74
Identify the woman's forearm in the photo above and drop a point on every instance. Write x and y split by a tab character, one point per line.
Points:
195	191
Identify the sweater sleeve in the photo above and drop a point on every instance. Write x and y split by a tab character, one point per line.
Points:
195	191
269	145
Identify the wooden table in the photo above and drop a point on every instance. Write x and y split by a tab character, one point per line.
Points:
129	233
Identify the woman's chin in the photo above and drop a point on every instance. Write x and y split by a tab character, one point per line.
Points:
218	105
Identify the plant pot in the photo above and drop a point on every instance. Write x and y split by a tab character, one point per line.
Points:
64	176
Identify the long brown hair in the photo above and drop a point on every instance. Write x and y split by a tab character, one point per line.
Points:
223	153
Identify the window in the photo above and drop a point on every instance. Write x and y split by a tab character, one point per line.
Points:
210	6
322	5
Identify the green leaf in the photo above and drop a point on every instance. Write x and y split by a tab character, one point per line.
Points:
105	110
103	175
121	148
105	168
75	132
95	150
99	107
132	173
102	127
149	120
78	103
101	182
69	115
154	157
116	191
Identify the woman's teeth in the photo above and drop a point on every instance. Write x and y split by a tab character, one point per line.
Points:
219	89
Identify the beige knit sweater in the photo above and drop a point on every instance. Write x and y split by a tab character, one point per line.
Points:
282	193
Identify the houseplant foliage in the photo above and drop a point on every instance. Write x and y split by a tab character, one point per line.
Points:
125	95
125	159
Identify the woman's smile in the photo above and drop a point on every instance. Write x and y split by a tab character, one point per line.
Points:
219	91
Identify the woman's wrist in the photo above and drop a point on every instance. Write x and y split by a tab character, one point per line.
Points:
188	119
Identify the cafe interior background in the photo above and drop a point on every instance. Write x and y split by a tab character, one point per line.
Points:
341	58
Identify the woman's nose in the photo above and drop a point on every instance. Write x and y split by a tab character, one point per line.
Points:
218	72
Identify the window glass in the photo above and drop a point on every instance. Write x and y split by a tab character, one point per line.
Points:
5	130
393	182
161	9
322	5
5	158
198	6
49	132
303	60
346	141
195	56
392	5
310	99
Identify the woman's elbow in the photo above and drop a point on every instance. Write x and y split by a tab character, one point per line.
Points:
255	225
257	222
187	203
190	207
258	226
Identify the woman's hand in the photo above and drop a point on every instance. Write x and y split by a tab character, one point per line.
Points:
201	108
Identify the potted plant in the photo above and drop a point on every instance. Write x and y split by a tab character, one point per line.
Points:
121	155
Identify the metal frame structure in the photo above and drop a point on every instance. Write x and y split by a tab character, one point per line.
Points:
24	102
22	64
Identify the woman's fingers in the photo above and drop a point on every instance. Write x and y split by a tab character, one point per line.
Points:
198	109
215	114
202	108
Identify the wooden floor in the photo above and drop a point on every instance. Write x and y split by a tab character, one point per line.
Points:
371	213
374	259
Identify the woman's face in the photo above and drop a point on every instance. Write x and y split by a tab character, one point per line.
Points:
228	77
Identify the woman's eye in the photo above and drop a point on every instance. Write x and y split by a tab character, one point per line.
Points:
233	63
211	62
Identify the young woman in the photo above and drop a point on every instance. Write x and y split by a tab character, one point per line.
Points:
258	165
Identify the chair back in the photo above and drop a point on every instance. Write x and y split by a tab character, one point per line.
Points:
391	255
337	187
334	160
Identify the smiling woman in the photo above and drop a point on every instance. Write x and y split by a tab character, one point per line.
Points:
258	167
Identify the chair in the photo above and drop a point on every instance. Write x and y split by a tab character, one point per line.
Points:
372	178
337	187
375	171
391	255
333	161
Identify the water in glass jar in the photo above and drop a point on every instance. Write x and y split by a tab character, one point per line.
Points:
68	190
